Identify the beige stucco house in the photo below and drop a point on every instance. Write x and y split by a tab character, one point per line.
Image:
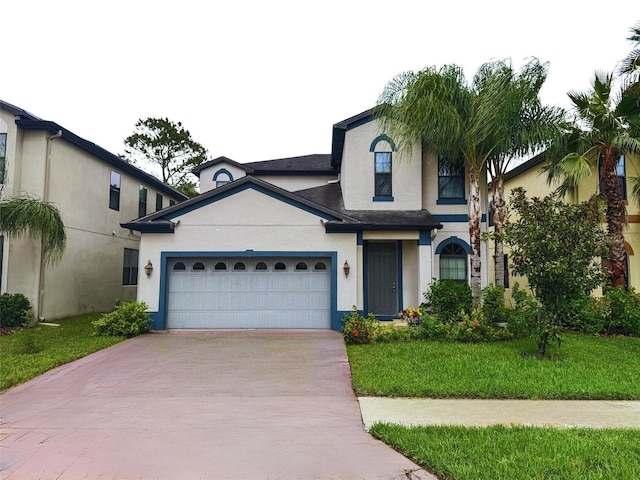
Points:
297	242
530	176
95	191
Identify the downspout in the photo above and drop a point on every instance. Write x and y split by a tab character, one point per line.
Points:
45	198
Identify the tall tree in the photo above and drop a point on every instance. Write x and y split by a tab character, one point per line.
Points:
533	126
472	122
37	219
630	66
606	127
167	145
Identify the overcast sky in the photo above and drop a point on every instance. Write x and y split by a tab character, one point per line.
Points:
257	80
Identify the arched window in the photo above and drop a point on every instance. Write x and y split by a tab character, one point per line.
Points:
320	266
280	266
222	177
261	266
220	266
453	262
198	266
179	266
301	266
239	266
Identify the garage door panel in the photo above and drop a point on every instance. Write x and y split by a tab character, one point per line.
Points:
263	295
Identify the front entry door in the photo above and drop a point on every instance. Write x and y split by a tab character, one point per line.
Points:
382	288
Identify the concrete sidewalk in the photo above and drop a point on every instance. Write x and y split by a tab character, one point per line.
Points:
469	412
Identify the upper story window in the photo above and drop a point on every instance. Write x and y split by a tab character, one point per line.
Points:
158	201
450	179
172	202
222	177
383	175
621	174
142	201
3	154
114	191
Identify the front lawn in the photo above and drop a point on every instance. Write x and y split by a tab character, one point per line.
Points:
584	367
25	354
527	453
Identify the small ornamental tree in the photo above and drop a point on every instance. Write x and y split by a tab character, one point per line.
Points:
557	246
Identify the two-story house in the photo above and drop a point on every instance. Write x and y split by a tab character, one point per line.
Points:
297	242
530	176
95	191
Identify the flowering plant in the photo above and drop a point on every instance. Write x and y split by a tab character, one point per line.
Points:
411	316
357	329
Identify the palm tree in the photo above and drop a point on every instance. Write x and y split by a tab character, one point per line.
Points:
605	128
474	123
631	64
37	219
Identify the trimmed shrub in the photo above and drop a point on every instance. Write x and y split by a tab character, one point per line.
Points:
128	320
358	330
15	310
447	299
623	312
493	306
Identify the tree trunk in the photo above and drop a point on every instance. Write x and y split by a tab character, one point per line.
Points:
499	215
474	235
616	213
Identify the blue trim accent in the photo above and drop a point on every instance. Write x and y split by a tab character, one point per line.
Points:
223	171
359	238
382	138
160	318
399	291
382	199
451	201
451	240
156	321
458	218
258	188
425	237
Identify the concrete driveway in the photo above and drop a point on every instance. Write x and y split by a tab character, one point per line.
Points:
197	405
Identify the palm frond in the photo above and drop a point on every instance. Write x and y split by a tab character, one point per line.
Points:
36	219
635	188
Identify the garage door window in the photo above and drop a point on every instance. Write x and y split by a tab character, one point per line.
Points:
301	266
261	266
280	266
320	266
179	266
198	266
239	266
220	266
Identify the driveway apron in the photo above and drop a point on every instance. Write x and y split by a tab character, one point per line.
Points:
197	405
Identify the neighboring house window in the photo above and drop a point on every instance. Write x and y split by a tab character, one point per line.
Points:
114	191
453	263
505	279
450	179
158	201
130	267
383	174
142	202
621	174
172	203
3	154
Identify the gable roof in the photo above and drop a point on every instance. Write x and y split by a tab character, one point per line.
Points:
315	164
523	167
161	221
28	121
340	131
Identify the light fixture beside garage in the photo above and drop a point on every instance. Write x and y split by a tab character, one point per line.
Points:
346	268
148	268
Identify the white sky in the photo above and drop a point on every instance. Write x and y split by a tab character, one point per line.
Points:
263	79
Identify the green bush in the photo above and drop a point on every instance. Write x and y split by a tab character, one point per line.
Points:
470	328
128	320
447	299
623	312
14	310
357	329
493	306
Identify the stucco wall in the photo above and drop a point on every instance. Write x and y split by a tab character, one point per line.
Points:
207	174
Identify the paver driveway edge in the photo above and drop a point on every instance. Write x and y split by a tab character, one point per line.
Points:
187	405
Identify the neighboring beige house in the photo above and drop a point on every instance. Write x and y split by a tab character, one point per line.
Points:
96	191
529	176
297	242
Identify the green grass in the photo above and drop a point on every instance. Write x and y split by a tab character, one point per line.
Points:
584	367
513	453
25	354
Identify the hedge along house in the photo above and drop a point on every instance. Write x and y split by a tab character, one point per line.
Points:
297	242
95	192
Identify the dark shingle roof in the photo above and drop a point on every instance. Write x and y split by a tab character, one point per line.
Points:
315	164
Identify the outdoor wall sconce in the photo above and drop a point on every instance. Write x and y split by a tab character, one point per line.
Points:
148	268
346	268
